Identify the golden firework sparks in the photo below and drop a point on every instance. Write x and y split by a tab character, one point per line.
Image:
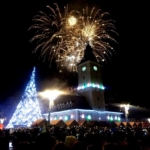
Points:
63	36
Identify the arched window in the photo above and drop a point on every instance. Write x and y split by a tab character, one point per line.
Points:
63	106
67	105
58	106
71	104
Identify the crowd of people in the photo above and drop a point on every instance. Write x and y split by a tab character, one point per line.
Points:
76	138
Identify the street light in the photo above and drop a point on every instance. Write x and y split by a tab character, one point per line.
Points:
51	95
126	109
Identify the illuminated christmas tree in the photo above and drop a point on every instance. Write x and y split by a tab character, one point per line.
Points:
28	109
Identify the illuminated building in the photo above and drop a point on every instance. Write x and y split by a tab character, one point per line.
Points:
87	102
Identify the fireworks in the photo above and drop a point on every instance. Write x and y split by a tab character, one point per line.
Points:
64	36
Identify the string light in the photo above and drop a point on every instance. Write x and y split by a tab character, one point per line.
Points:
28	109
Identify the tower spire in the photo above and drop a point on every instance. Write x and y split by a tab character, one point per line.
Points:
88	55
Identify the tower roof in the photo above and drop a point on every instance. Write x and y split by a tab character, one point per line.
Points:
88	55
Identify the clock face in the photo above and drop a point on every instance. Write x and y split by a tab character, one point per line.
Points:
83	68
95	68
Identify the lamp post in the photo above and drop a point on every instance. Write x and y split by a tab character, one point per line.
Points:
51	95
126	109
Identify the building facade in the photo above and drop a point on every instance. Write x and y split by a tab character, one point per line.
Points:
88	101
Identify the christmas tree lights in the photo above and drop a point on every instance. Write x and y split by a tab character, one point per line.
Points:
28	109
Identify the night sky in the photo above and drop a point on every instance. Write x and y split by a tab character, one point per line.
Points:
125	77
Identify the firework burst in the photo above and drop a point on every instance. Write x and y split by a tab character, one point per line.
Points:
97	29
64	36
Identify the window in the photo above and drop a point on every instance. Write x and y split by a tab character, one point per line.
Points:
83	68
63	105
71	104
67	105
95	68
58	106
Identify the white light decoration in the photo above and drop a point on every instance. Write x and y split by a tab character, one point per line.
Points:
82	116
93	85
108	117
88	111
82	113
72	116
148	120
28	109
115	118
119	118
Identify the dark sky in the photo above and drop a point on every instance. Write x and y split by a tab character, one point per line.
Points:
125	77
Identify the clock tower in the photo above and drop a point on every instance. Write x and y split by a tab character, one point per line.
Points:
90	80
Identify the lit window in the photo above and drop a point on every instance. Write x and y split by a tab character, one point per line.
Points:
89	117
95	68
111	118
72	116
82	116
66	118
55	118
83	68
119	119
